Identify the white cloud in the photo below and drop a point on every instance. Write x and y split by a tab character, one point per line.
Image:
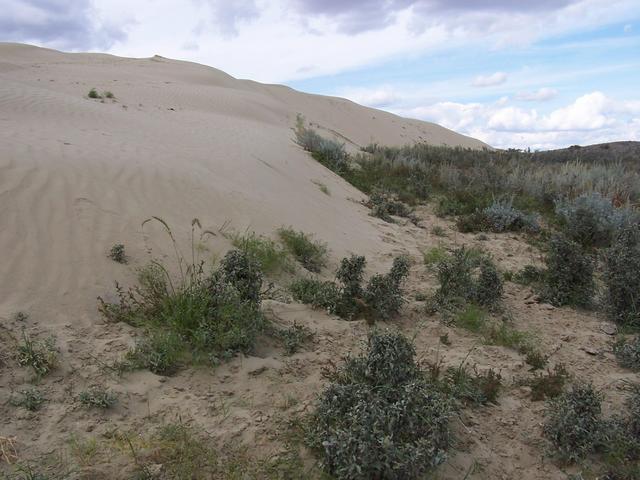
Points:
497	78
377	97
540	95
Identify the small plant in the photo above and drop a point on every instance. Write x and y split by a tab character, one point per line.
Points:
479	388
323	188
383	294
385	206
549	384
269	254
472	318
628	353
30	399
117	253
622	277
109	95
501	216
311	254
438	231
98	397
294	337
160	353
93	93
536	359
573	423
569	276
434	255
41	356
350	274
529	275
316	293
489	285
379	418
444	339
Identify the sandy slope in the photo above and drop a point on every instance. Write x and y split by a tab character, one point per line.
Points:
180	141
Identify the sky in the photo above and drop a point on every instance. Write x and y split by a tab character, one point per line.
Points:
536	74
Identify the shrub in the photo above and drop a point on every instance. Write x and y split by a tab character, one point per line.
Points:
30	399
628	353
489	285
536	359
477	389
501	216
622	277
268	253
117	253
328	152
311	254
350	274
210	316
460	202
383	294
97	397
379	418
294	337
529	275
434	255
316	293
109	95
573	423
384	205
41	356
438	231
569	276
93	93
549	384
592	220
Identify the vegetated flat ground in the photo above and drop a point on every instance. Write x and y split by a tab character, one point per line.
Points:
255	401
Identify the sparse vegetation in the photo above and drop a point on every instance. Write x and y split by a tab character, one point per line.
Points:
272	258
311	254
117	253
628	353
93	93
202	317
294	337
29	398
434	255
379	418
529	275
41	356
383	294
98	397
500	216
385	206
549	384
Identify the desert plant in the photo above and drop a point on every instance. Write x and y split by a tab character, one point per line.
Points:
97	397
549	384
379	418
269	254
160	353
294	337
317	293
438	231
529	275
117	253
109	95
622	277
536	359
41	356
384	205
93	93
628	353
489	285
311	254
502	216
350	273
30	399
383	294
592	220
573	422
470	388
569	275
434	255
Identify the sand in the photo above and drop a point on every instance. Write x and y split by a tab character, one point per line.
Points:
183	141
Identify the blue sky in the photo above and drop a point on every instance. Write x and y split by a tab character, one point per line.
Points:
514	73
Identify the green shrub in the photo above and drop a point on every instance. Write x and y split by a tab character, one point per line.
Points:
268	253
502	216
207	316
93	93
311	254
434	255
384	206
316	293
379	418
117	253
548	385
529	275
592	220
573	423
477	389
489	285
628	353
622	277
97	397
41	356
460	202
383	294
569	275
30	399
536	359
350	274
294	337
438	231
109	95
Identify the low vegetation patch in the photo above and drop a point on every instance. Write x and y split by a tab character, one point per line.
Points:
379	418
549	384
386	206
200	317
41	356
117	253
294	337
29	398
272	257
500	216
98	397
380	299
311	254
628	353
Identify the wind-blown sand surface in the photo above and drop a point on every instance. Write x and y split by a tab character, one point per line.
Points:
183	141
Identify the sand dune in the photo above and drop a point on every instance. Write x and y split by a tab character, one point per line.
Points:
180	141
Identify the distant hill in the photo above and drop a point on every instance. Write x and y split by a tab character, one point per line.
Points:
603	152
